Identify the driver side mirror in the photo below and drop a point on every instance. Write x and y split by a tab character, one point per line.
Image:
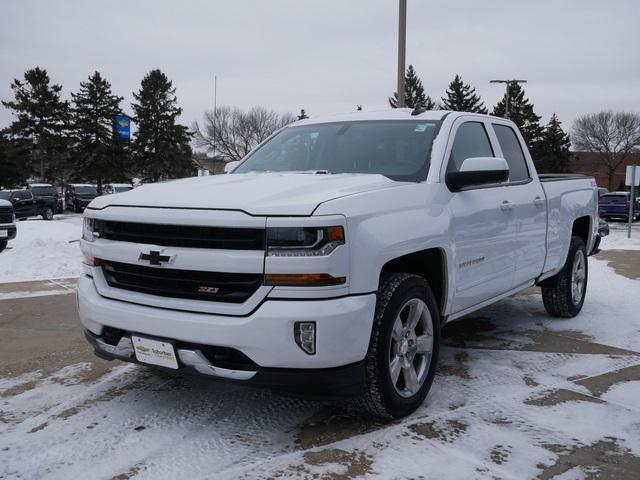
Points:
477	171
230	166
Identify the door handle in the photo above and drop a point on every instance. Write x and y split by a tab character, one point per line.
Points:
538	202
506	206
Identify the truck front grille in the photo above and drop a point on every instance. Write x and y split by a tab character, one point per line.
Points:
6	214
194	285
182	235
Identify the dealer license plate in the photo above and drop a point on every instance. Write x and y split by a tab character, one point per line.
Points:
4	233
154	352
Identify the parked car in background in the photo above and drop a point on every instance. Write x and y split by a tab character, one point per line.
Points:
79	195
326	262
47	199
616	205
7	227
23	202
110	188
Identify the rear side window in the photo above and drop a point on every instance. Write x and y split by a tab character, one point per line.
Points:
512	152
471	141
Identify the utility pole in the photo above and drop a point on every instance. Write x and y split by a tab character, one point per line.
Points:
215	107
402	47
506	98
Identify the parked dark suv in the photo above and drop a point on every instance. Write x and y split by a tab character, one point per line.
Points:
24	204
46	196
78	196
616	204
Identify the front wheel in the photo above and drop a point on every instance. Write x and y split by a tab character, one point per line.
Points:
3	245
563	294
403	351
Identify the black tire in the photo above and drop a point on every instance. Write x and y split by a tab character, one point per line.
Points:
381	397
3	244
76	208
47	214
557	291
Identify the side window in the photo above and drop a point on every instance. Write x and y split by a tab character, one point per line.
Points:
471	141
512	152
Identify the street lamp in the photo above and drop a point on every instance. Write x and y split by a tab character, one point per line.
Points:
506	98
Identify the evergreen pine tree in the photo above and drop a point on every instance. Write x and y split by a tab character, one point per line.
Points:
161	146
39	131
97	152
553	154
522	114
413	92
462	97
303	115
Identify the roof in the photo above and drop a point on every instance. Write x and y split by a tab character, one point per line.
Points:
40	185
82	185
120	184
388	114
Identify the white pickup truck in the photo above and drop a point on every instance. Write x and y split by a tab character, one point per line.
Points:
328	260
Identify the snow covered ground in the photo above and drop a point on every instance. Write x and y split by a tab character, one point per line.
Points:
518	395
43	250
617	239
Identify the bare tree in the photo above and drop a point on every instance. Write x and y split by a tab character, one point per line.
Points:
613	136
232	133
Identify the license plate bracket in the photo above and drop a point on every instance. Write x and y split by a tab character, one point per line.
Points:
4	233
155	352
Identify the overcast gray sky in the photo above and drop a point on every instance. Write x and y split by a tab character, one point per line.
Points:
327	56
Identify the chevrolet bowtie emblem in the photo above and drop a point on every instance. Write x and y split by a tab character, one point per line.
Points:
154	257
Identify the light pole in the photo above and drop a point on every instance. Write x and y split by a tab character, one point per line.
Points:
506	98
402	47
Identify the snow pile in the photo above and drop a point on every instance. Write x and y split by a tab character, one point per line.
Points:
43	249
617	238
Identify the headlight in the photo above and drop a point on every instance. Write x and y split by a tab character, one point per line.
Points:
87	230
304	241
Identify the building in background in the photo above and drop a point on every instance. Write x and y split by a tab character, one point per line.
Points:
588	163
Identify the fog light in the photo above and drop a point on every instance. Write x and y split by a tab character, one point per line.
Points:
305	336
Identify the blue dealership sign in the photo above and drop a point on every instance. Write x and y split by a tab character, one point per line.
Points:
122	127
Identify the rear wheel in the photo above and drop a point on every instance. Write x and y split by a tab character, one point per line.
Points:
47	214
403	351
3	245
563	294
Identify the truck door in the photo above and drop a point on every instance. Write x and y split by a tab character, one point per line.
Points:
530	207
482	227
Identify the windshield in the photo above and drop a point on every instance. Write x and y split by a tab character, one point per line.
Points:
399	150
122	189
88	190
5	195
44	191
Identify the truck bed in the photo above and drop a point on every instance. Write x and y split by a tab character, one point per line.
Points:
555	177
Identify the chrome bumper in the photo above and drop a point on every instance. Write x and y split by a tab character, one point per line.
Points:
190	358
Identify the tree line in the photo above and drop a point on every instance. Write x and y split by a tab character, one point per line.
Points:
611	136
62	141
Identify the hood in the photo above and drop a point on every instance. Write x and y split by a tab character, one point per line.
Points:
254	193
5	203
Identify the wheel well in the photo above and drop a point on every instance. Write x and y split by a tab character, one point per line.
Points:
429	264
581	228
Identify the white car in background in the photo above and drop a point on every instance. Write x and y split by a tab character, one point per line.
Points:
327	261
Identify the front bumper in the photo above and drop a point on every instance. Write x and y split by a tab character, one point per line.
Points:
265	336
11	231
325	383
